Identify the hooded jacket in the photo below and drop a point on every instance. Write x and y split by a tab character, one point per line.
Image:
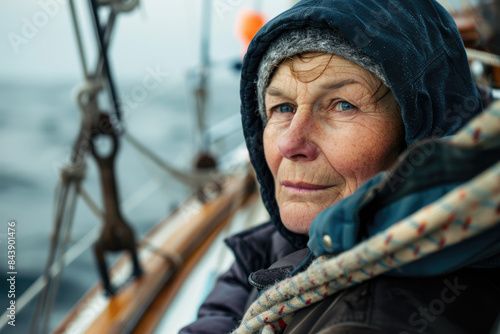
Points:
424	62
421	54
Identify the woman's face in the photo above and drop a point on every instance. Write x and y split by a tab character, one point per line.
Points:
325	137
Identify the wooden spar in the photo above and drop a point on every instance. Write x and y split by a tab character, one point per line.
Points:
186	232
159	306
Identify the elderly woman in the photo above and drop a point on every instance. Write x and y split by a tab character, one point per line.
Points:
332	92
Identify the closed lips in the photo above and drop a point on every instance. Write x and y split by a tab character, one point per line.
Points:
303	185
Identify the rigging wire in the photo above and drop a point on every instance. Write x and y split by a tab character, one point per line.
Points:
108	30
201	92
192	178
66	199
103	51
66	234
81	51
78	248
71	178
94	208
34	289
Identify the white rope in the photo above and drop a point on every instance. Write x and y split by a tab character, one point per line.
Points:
94	208
484	57
193	178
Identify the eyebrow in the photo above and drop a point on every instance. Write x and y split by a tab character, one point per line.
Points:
274	91
339	84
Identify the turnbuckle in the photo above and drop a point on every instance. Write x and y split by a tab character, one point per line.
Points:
116	234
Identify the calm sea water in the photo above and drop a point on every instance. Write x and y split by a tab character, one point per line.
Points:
38	124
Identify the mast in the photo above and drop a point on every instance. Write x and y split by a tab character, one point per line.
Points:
202	89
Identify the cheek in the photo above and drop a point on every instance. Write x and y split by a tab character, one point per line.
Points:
363	150
271	151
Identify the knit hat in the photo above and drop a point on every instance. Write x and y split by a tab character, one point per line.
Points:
311	39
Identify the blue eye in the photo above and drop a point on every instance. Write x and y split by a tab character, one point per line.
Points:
285	108
345	106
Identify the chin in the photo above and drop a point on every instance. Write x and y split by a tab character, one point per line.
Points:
297	217
297	225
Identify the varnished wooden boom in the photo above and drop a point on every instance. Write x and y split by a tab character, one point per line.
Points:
180	240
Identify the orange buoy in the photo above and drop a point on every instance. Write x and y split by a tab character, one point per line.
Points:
248	23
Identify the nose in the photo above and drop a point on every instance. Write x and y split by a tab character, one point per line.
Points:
296	144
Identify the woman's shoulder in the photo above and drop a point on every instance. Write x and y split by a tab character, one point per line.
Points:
259	247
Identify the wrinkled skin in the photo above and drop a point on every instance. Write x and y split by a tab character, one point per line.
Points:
331	126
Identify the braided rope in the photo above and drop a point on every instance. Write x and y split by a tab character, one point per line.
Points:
462	213
482	131
485	57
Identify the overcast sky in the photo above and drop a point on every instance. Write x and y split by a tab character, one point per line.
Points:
37	40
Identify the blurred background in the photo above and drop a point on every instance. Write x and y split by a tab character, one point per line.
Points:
39	120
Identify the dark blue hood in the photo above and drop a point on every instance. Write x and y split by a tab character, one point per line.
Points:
421	54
